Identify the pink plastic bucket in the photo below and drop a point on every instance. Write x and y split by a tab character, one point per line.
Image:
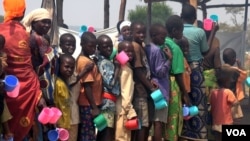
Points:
63	134
122	58
208	24
57	114
91	29
45	115
14	93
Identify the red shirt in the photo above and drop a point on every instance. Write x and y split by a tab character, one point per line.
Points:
221	103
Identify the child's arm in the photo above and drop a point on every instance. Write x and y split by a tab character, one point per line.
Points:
84	71
88	68
89	95
238	62
3	61
168	53
116	74
139	73
212	34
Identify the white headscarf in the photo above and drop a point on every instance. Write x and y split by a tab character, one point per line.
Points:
124	23
35	15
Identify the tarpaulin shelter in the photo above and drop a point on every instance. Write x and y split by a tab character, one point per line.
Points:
50	5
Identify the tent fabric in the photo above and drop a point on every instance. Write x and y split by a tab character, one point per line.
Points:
51	7
234	40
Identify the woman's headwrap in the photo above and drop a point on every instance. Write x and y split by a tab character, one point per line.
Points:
13	9
124	23
35	15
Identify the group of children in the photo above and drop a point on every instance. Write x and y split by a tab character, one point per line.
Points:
88	86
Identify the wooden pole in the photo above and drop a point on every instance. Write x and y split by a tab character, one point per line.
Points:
148	21
122	9
194	3
59	10
246	15
106	14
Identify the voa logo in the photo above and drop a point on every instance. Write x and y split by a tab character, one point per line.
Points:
236	132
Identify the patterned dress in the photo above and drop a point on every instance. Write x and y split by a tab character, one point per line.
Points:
175	119
196	127
44	63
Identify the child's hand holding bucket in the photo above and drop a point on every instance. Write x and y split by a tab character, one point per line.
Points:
155	85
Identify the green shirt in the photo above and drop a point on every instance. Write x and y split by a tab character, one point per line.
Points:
177	65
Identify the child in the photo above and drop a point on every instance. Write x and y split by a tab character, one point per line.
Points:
4	110
67	43
124	107
90	97
178	91
68	46
183	44
142	101
239	75
107	70
222	100
61	92
123	28
159	62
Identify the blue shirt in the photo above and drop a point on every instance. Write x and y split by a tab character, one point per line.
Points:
107	70
159	67
197	42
